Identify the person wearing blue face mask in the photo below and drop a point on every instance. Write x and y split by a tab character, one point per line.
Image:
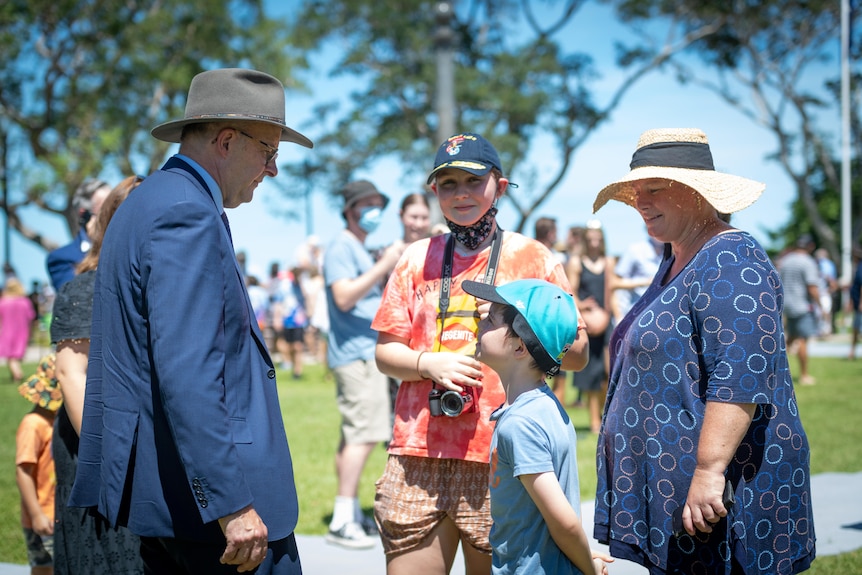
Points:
354	286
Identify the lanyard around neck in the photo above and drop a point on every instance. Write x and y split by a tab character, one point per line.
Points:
446	279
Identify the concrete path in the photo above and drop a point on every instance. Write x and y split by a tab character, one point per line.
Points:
837	523
838	527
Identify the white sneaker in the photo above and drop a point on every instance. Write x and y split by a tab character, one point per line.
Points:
350	535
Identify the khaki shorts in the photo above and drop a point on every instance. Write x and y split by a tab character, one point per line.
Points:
416	493
362	394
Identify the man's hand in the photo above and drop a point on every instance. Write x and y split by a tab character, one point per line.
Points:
246	539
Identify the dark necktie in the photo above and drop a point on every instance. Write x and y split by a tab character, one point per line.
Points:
227	226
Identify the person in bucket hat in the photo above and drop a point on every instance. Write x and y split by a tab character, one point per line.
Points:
701	398
354	284
534	471
34	465
182	438
436	474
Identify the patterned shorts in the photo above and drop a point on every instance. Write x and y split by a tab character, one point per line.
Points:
416	493
40	548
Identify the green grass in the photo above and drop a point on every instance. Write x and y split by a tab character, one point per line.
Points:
12	408
312	423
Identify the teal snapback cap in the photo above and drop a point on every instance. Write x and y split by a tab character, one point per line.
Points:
547	319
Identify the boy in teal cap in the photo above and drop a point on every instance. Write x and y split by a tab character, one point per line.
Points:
535	496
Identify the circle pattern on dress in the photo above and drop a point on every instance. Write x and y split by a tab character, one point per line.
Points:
712	333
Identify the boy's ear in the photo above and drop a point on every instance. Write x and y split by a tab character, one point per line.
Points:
521	349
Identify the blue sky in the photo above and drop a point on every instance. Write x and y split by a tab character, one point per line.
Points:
738	146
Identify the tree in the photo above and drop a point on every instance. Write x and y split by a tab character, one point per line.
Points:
776	63
83	81
514	83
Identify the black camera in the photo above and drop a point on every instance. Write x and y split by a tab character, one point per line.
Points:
451	403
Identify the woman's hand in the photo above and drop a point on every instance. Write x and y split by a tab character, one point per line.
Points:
724	426
451	370
703	505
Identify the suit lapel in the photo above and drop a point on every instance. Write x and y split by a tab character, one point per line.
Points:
177	163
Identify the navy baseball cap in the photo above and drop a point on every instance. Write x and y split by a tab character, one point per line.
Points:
547	319
469	152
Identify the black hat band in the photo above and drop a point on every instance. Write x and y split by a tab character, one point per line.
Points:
689	155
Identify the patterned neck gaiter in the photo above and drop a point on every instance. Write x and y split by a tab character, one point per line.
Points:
473	235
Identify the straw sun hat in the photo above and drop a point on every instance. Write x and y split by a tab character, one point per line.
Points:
682	155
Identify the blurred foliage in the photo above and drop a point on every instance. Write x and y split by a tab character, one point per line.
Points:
777	63
513	82
83	81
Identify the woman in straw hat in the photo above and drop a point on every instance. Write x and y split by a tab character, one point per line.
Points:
703	464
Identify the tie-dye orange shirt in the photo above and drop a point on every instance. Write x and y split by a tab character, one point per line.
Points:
410	310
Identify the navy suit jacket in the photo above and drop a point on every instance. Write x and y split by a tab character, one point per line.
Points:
181	422
61	263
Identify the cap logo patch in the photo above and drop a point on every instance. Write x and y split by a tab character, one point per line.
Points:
454	147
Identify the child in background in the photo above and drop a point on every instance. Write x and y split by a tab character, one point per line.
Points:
35	467
535	495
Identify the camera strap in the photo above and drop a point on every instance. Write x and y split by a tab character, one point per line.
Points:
446	276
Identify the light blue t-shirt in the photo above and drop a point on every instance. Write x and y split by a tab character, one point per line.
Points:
350	335
533	435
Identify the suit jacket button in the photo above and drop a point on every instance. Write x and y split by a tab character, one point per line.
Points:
204	503
271	373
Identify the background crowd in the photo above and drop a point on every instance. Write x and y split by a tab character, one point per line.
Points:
290	306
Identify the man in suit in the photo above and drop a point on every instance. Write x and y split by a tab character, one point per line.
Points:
182	438
87	201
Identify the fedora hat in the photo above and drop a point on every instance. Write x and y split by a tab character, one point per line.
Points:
232	94
682	155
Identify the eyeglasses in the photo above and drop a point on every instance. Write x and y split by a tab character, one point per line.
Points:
271	153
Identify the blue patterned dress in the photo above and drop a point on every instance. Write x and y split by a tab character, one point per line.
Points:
712	333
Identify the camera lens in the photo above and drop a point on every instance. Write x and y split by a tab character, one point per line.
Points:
452	403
